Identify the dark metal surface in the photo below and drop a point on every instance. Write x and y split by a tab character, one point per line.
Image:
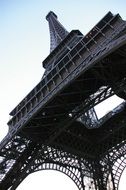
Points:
56	127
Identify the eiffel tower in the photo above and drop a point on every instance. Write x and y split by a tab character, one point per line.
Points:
56	127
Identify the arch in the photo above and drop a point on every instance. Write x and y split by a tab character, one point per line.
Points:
122	180
119	164
73	173
81	181
47	180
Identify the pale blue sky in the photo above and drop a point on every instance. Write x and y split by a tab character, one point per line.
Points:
24	41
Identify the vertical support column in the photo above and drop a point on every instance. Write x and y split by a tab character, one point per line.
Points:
112	180
98	176
82	177
112	183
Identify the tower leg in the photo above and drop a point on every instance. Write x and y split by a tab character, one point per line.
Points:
98	176
111	180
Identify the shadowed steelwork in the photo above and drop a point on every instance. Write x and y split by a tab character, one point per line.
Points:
56	127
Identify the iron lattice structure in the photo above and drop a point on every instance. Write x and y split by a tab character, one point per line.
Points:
56	127
57	31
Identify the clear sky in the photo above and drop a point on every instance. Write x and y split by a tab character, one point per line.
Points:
24	44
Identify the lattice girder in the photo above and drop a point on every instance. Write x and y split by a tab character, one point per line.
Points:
57	31
37	98
45	132
50	155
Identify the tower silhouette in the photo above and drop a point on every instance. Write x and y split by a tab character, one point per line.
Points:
56	127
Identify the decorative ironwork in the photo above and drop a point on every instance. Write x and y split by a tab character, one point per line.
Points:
56	127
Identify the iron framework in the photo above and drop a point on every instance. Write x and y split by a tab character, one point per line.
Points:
56	127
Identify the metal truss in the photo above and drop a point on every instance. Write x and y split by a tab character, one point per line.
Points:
57	31
55	126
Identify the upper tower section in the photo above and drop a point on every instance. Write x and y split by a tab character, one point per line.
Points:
57	31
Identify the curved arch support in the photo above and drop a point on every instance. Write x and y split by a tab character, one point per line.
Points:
71	172
118	169
118	164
